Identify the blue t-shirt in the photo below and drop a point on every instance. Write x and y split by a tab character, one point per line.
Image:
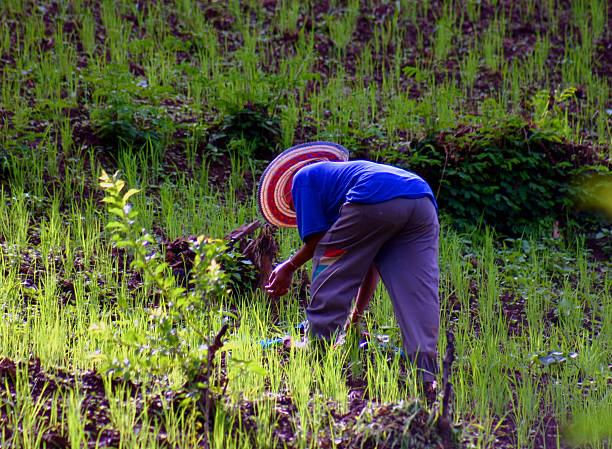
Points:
320	189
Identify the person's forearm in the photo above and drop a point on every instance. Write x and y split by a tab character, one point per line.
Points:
305	253
280	278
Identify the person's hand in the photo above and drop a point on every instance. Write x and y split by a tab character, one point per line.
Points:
280	279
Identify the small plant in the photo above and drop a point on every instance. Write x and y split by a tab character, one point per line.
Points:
469	66
5	163
250	132
123	116
549	111
444	36
181	327
288	15
341	26
122	123
241	275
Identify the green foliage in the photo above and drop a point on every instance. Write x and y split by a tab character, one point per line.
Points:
249	132
54	290
4	163
123	116
133	126
241	275
444	35
590	425
510	175
549	113
341	25
288	15
180	327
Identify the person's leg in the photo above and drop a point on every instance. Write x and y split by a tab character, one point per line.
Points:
408	265
364	294
341	261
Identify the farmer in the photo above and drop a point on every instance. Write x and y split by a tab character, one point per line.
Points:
358	219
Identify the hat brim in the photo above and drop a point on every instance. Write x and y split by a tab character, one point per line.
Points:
276	180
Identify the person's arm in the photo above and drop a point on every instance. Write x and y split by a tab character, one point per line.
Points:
365	294
280	278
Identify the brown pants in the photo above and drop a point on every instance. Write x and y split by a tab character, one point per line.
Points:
400	237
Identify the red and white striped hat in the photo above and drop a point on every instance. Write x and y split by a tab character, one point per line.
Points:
274	190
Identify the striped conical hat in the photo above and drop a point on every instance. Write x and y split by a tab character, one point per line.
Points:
274	190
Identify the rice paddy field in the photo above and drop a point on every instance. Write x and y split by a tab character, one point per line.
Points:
132	135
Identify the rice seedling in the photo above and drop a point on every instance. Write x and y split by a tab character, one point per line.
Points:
469	66
287	16
444	34
341	25
87	32
492	48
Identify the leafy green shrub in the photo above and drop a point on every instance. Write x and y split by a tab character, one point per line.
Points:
241	275
183	316
131	125
250	132
124	115
510	175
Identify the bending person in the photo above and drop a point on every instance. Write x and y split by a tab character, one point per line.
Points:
358	219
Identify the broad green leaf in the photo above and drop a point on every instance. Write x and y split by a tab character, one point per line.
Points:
111	200
116	211
117	225
256	368
129	193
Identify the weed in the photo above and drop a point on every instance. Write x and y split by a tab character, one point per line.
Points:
470	184
247	133
122	124
288	15
469	66
444	34
342	24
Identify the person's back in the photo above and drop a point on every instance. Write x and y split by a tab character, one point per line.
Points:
320	189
